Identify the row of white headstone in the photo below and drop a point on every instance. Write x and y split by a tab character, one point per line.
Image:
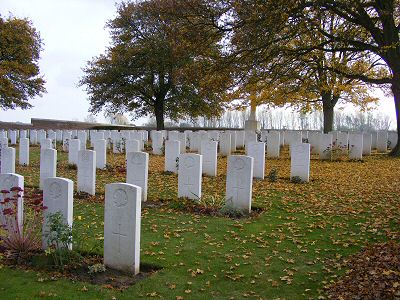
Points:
87	162
238	137
122	216
130	141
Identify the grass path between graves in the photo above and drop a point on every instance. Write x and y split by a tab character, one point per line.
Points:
291	251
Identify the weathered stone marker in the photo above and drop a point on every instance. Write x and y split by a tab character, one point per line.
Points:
239	182
48	165
172	151
87	171
122	218
58	197
300	161
189	176
137	170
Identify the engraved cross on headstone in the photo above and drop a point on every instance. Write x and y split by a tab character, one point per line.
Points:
119	234
237	188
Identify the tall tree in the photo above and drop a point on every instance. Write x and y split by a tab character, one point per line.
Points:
20	47
153	68
370	27
270	54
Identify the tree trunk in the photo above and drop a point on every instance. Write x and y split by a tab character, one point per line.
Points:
327	109
159	113
396	93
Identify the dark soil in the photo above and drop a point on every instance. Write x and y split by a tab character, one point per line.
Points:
110	278
79	271
190	206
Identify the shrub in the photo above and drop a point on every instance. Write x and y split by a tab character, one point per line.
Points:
296	179
21	240
232	212
59	241
96	268
273	175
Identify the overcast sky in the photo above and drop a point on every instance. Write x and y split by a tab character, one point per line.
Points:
73	32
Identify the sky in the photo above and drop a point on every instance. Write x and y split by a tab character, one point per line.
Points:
73	32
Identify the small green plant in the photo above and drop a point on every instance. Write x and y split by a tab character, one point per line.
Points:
96	268
72	166
59	240
163	149
231	212
177	163
296	179
273	175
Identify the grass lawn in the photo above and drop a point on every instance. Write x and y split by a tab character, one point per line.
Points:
290	251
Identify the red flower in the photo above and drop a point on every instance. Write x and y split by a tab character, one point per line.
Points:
16	188
37	201
4	191
7	211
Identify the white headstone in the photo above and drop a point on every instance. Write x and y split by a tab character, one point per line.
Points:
300	161
172	151
273	144
137	170
13	137
313	140
225	144
59	135
7	160
22	134
122	218
53	137
67	137
82	136
342	142
33	137
157	142
87	171
139	137
46	144
293	137
41	135
392	139
182	140
325	146
118	144
233	140
249	137
239	182
48	165
189	176
374	139
209	151
240	138
100	147
256	150
24	151
132	146
73	149
382	141
8	181
367	144
355	145
58	198
195	141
